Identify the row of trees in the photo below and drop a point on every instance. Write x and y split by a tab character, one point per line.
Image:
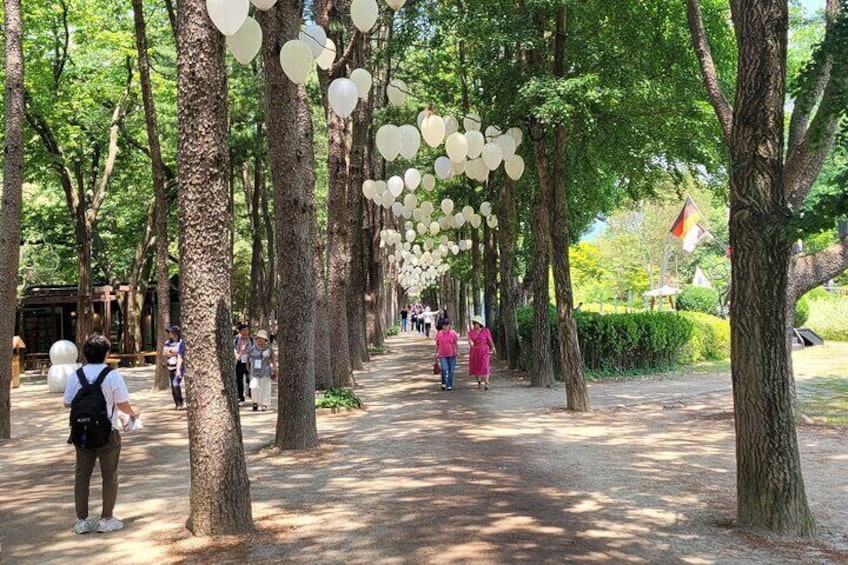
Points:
611	109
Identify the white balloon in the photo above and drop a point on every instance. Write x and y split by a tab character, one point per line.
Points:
462	245
516	134
343	96
507	145
447	205
492	132
444	222
387	200
410	201
410	235
475	221
391	259
459	219
407	212
492	222
434	228
471	122
476	141
486	208
427	208
263	4
314	36
514	167
410	141
467	212
455	249
228	15
246	42
396	92
397	208
458	168
57	376
362	79
433	130
395	185
420	119
456	146
369	189
296	60
422	229
443	168
492	155
395	4
477	170
63	351
388	141
412	178
328	56
364	14
381	187
428	182
406	247
451	126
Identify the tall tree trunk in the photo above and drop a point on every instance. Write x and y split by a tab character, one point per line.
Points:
577	395
770	486
477	307
506	242
10	212
542	374
490	275
356	207
163	293
220	489
288	119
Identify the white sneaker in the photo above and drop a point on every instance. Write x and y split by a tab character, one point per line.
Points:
105	526
84	526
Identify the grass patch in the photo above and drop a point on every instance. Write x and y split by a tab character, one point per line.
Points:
378	349
825	401
338	398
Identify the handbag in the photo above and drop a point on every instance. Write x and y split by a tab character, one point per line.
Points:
437	369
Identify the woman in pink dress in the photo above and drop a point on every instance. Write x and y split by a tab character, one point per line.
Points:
482	347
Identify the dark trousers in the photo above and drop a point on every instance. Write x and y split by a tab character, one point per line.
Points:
109	455
242	372
176	387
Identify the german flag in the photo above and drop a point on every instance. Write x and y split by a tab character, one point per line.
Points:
688	219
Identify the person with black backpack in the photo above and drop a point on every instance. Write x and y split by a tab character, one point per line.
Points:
94	393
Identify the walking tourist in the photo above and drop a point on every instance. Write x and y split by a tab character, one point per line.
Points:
241	348
263	369
482	347
173	351
446	342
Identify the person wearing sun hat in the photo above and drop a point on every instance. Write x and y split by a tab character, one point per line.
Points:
482	347
263	367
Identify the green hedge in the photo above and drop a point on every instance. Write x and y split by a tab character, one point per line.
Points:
710	339
616	342
698	299
827	318
802	311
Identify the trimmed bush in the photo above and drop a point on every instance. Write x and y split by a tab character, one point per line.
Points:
392	330
710	339
698	299
828	318
616	342
802	311
338	398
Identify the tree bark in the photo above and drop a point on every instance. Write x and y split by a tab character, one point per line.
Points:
10	212
490	275
506	242
542	374
163	292
476	306
220	489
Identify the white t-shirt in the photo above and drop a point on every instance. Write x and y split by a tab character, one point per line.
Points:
114	389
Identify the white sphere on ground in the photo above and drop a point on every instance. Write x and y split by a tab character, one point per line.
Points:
412	179
246	42
315	37
476	141
486	208
328	56
227	15
456	146
363	81
296	60
410	141
492	156
433	130
342	96
447	205
364	14
396	92
472	122
63	351
507	145
389	141
58	375
395	185
514	167
451	126
442	166
516	134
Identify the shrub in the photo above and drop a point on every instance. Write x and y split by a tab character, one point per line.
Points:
392	330
698	299
818	293
827	318
616	342
338	398
802	311
710	338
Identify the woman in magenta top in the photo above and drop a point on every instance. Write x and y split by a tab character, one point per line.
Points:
482	347
446	349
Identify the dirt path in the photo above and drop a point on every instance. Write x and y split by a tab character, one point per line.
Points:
425	476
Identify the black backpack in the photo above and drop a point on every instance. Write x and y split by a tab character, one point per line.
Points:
90	423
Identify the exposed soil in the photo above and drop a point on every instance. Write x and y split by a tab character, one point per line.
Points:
424	476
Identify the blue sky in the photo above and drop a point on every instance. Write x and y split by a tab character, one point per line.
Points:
812	5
